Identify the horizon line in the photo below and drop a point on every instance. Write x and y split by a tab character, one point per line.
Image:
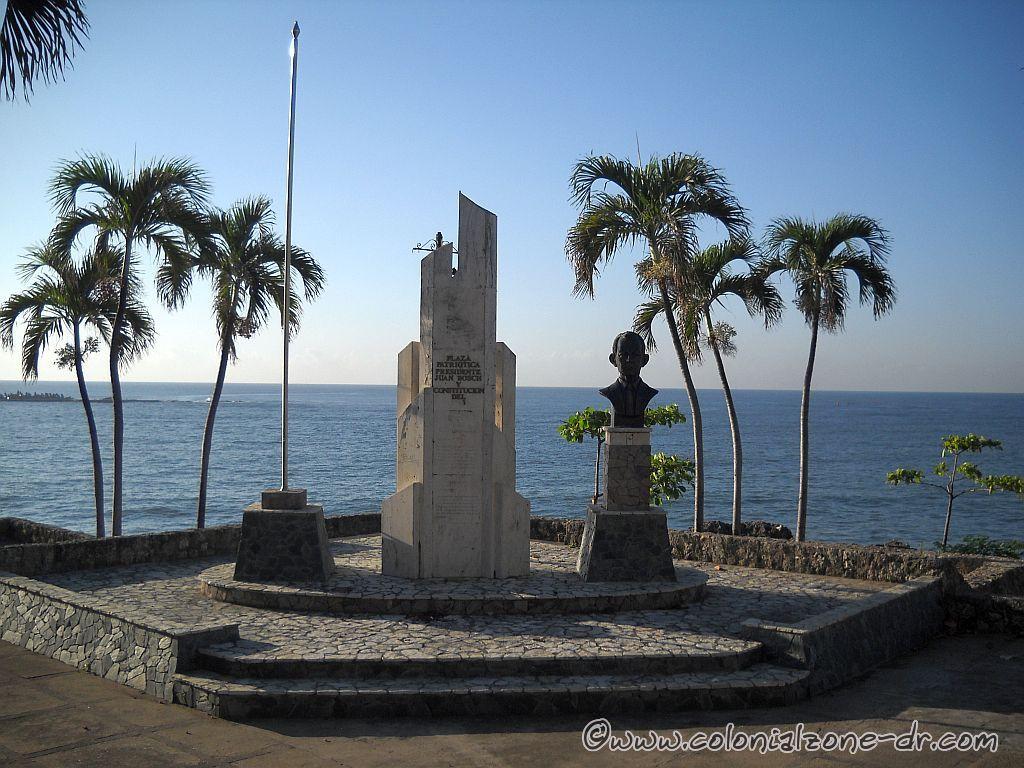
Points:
522	386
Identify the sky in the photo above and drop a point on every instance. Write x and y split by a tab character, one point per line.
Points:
909	112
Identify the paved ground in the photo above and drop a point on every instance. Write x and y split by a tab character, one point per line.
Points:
168	592
52	715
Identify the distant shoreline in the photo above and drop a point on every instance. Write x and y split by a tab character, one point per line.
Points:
50	397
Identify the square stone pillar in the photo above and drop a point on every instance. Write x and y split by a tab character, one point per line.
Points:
283	539
627	469
624	539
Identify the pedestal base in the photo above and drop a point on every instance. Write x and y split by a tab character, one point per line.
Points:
283	545
625	546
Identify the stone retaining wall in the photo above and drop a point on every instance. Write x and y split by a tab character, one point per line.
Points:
562	530
18	530
851	561
844	643
82	554
996	576
970	612
134	650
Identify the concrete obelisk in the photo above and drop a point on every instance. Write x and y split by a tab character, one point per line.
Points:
456	513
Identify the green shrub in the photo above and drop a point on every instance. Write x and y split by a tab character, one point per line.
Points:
983	545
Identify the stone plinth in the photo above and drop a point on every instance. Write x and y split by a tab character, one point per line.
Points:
456	513
283	545
627	468
275	498
625	546
624	539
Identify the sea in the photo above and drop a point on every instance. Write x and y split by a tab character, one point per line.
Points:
342	448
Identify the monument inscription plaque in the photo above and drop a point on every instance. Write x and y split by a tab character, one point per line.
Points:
456	513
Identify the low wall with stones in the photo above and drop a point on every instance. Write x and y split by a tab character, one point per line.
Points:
969	612
850	561
562	530
134	650
844	643
18	530
821	558
996	576
82	554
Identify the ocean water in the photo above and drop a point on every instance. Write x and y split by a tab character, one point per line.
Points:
343	447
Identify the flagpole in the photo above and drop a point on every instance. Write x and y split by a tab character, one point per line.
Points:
288	264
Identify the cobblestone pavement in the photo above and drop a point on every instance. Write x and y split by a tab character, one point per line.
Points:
168	592
357	586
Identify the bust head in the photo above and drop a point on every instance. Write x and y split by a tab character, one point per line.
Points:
629	355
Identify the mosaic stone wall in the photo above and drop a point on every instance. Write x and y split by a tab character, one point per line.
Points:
18	530
848	641
82	554
823	558
83	633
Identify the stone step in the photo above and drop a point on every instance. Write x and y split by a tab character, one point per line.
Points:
246	659
246	698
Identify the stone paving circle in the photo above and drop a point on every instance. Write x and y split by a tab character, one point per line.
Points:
358	587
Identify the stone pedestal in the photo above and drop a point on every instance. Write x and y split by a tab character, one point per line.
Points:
625	546
286	542
624	539
455	512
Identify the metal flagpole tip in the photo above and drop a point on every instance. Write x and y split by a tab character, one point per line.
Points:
295	29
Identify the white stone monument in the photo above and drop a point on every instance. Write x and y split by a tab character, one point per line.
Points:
456	513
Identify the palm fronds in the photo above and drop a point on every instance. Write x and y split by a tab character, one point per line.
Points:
818	257
37	41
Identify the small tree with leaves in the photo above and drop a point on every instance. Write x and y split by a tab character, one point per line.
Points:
670	477
669	474
956	446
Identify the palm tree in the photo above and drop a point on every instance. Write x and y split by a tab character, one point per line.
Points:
67	297
157	207
661	205
817	257
702	283
37	40
246	266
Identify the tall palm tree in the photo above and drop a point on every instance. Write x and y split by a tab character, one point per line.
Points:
702	283
817	258
660	204
246	266
68	297
157	207
37	39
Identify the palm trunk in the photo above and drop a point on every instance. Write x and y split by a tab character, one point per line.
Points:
94	441
805	404
734	428
691	394
115	392
204	467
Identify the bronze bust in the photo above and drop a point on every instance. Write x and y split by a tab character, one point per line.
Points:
629	395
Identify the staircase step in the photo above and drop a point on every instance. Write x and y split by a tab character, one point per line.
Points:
248	660
246	698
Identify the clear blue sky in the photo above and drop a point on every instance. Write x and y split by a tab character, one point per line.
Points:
909	112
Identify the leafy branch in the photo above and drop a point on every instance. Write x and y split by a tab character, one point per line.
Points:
669	474
956	446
